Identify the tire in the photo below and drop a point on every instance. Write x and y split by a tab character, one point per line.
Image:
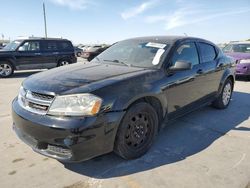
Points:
89	58
78	54
6	69
224	98
63	62
137	131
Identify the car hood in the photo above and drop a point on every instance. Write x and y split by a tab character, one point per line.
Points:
66	78
238	55
4	52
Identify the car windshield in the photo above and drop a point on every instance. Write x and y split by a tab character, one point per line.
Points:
12	46
134	53
242	48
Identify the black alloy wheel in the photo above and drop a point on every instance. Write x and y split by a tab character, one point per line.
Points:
137	131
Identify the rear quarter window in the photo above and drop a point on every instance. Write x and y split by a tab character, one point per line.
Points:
50	46
208	52
65	45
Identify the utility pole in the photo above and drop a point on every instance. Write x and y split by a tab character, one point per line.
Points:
44	17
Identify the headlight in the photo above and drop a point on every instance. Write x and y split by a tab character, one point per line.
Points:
22	91
76	105
21	95
245	61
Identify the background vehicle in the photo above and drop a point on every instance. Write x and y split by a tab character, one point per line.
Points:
93	51
120	100
78	51
82	46
38	53
2	45
240	51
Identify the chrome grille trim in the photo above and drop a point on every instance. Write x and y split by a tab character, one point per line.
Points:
35	102
42	96
30	97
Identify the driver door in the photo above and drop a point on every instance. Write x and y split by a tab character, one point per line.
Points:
29	55
184	87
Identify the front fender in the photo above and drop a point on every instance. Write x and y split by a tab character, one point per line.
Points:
123	104
121	94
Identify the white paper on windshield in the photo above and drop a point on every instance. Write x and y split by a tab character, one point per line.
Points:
156	45
157	57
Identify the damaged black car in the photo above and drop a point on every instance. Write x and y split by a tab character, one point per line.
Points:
122	98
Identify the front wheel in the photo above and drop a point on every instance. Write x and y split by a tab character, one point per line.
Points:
6	69
137	131
224	98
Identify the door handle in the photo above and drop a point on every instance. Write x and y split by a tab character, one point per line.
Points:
55	53
37	54
200	71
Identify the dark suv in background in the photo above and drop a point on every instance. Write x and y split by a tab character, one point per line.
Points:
35	53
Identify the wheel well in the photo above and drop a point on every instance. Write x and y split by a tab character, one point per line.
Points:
232	79
155	103
9	61
63	59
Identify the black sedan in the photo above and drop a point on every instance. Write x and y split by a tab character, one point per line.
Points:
122	98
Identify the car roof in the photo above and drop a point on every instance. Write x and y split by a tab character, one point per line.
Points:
166	39
240	42
48	39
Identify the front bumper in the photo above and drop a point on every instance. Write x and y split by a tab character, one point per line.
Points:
66	139
243	69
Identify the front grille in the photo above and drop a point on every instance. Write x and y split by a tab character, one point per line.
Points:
38	106
35	102
42	96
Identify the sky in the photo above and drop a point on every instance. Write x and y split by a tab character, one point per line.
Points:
108	21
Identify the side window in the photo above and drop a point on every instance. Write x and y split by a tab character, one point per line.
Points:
208	52
30	46
50	46
186	52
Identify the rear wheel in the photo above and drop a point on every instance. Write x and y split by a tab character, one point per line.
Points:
137	131
224	98
63	62
6	69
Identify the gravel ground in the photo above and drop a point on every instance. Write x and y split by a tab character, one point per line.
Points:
207	148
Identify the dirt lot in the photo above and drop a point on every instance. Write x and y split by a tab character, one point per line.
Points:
207	148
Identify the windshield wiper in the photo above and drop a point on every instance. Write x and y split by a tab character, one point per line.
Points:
117	61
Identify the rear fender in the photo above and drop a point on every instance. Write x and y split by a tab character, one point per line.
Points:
227	73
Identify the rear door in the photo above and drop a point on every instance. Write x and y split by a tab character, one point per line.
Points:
211	68
29	55
50	53
66	50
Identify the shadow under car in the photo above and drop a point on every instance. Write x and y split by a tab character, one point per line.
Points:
178	140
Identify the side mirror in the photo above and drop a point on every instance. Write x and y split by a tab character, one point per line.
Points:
181	66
